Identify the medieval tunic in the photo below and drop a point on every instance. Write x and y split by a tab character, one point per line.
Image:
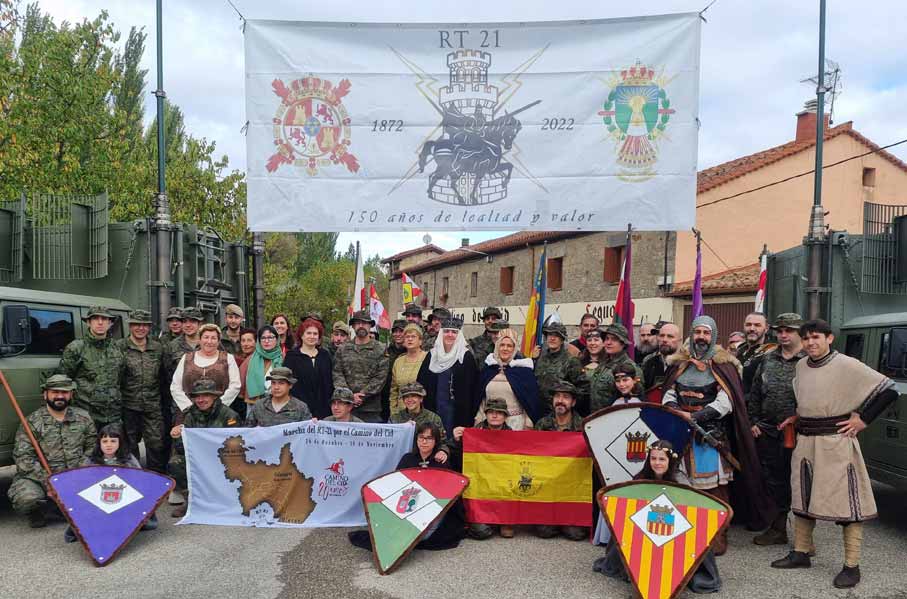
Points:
829	480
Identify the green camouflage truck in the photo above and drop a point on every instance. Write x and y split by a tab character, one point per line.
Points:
863	296
59	255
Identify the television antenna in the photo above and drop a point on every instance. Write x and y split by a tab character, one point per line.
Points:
426	239
832	83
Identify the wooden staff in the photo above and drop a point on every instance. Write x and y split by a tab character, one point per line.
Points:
25	426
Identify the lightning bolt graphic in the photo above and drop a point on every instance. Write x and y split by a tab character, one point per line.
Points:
511	81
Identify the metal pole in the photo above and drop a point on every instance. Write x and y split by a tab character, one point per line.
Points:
162	206
258	275
816	235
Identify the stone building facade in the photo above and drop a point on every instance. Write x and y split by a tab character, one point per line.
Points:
583	276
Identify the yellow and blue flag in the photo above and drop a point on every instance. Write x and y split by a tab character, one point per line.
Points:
535	315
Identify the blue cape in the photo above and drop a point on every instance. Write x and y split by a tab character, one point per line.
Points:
522	381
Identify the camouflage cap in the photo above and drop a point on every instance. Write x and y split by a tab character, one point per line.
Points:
399	324
281	373
193	313
788	320
175	313
500	325
439	313
564	387
496	404
204	387
618	330
412	309
99	311
414	388
555	328
362	316
316	316
491	311
341	327
140	317
342	394
60	382
234	310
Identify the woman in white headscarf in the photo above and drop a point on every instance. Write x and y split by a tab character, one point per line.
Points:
450	376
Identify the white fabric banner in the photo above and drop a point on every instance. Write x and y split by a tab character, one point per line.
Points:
579	125
305	474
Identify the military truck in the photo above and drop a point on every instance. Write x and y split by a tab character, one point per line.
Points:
864	297
59	255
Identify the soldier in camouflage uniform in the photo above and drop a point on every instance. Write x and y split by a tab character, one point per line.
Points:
601	382
554	365
185	343
437	316
66	435
174	326
230	333
413	313
142	391
340	334
206	411
564	419
96	364
342	406
770	401
413	394
482	345
361	366
278	406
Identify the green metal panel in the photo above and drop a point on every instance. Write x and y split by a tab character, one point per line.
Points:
12	235
69	236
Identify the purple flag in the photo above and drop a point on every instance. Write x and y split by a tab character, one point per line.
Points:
624	308
107	505
696	310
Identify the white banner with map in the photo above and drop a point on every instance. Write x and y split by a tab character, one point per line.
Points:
306	474
572	125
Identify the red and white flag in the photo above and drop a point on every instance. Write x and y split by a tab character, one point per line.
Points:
359	297
377	309
760	293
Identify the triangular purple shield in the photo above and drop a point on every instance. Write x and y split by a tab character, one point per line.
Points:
107	505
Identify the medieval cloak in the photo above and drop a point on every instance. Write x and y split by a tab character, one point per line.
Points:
748	496
522	381
829	480
463	379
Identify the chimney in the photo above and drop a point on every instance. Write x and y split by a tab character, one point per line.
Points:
806	122
464	242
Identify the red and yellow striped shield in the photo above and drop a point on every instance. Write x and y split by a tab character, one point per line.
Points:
663	531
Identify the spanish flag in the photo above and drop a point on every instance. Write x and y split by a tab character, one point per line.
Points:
527	477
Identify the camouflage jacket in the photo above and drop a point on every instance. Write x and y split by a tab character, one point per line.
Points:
551	368
166	337
548	423
771	396
219	416
601	381
230	346
262	413
428	341
424	416
142	384
65	445
362	369
174	351
97	366
481	346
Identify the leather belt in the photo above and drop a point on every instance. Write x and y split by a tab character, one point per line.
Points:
818	427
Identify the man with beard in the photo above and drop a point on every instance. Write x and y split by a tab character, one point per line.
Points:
655	365
482	345
587	324
66	436
361	366
648	342
340	334
229	338
413	313
703	384
770	402
750	352
555	365
564	419
837	397
437	316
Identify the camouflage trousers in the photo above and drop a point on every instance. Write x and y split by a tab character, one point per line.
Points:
177	468
147	426
25	494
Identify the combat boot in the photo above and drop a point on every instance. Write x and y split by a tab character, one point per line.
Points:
180	510
776	534
847	578
794	559
36	518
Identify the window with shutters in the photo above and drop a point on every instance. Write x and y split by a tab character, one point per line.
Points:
614	257
555	273
507	279
473	284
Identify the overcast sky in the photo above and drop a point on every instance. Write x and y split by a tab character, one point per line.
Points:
754	55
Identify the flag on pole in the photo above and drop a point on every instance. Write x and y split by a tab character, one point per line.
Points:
535	314
624	308
359	298
411	291
760	293
696	310
377	309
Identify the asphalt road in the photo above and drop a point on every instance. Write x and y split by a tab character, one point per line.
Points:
212	561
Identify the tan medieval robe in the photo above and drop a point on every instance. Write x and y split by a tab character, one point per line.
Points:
829	480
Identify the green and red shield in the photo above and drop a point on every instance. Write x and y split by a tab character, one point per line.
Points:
663	531
402	507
